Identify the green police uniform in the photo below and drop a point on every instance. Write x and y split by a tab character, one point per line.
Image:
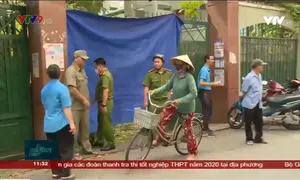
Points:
105	130
153	80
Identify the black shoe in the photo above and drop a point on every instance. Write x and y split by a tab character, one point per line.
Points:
97	144
260	141
100	145
108	147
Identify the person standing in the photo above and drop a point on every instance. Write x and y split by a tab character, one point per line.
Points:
58	121
104	96
204	92
185	93
77	82
252	102
156	78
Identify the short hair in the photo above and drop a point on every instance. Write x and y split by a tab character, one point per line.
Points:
53	71
100	61
206	57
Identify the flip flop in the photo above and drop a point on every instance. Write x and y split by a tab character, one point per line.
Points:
55	176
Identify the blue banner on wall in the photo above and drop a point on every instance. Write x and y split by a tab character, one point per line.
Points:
128	46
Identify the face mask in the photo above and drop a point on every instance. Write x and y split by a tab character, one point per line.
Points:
178	66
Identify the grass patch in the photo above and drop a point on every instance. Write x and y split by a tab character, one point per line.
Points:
125	132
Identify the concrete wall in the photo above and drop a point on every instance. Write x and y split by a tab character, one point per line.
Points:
251	14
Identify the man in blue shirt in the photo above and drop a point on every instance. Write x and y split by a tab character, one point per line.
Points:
204	92
58	120
252	104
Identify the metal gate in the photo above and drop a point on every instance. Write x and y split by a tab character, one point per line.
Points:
275	45
15	98
280	54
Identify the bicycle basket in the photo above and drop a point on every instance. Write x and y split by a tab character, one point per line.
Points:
145	119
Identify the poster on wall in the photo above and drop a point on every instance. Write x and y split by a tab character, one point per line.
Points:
220	76
54	53
219	50
35	65
219	63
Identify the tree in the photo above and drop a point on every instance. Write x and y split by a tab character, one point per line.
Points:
293	10
94	6
191	8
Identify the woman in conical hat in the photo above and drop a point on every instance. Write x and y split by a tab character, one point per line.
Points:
185	92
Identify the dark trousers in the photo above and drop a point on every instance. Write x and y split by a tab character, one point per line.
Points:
254	115
206	103
65	142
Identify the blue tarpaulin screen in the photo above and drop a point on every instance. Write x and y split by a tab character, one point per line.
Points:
128	46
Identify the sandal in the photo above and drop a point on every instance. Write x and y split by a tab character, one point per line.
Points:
77	157
56	176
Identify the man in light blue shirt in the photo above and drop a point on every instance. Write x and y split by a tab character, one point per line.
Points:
204	92
58	120
252	102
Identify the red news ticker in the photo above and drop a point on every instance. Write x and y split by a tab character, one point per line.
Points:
97	164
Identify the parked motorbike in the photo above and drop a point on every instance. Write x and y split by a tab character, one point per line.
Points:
235	118
274	88
283	109
292	86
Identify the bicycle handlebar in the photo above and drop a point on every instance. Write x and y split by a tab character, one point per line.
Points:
157	106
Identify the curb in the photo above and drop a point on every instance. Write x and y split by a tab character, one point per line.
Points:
223	128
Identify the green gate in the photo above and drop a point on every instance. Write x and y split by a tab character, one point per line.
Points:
280	54
15	98
275	45
194	42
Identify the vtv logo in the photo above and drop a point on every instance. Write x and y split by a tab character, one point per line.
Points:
274	19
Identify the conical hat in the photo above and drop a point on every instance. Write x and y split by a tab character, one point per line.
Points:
184	58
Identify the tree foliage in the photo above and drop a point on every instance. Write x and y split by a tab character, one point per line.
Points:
191	8
268	31
293	10
94	6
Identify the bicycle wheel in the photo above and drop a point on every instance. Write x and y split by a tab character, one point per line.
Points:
140	144
181	144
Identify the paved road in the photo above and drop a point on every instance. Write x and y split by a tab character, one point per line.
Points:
229	144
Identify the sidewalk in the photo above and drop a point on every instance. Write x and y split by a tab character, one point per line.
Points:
15	173
123	146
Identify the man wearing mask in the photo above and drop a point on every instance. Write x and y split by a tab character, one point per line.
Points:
77	82
204	92
252	104
104	96
154	79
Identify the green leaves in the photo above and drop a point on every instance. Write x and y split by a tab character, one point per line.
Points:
192	8
294	10
86	6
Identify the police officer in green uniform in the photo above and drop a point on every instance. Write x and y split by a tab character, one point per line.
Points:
154	79
104	96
